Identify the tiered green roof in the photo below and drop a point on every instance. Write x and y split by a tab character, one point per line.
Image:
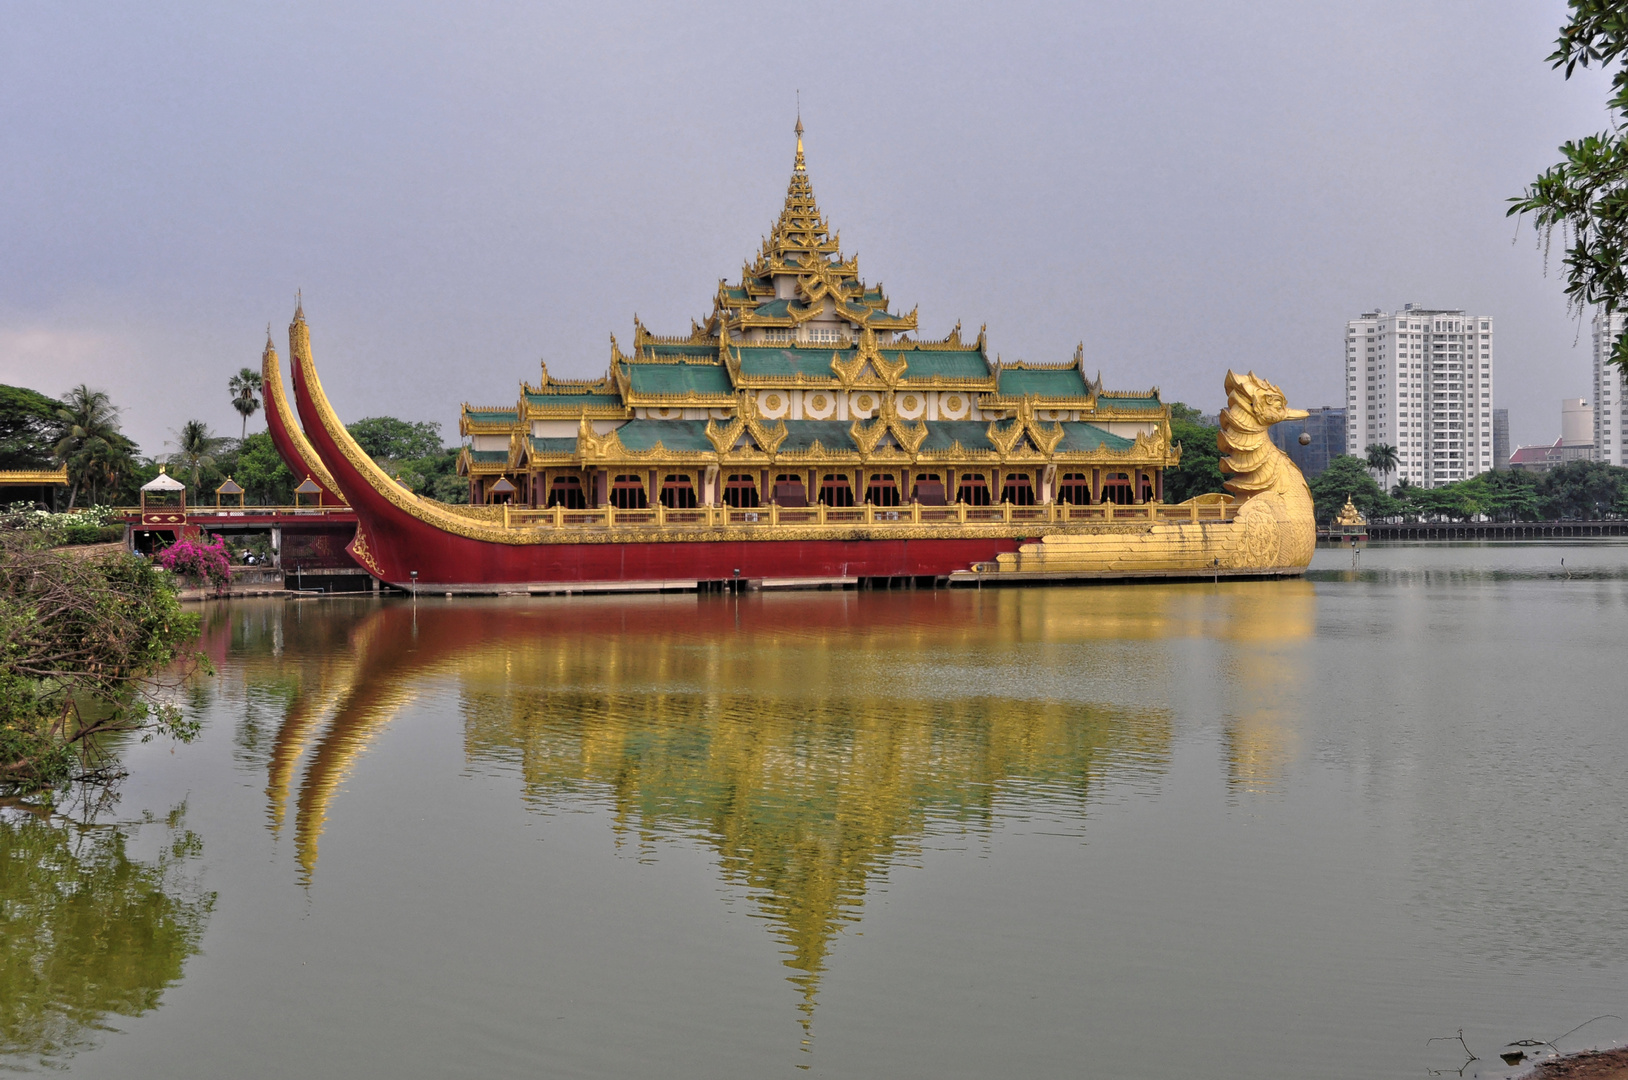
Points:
800	320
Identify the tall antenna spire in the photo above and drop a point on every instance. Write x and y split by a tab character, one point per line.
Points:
799	163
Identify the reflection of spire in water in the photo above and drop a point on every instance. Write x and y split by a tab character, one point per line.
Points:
314	701
805	798
308	683
370	702
813	741
1262	737
808	779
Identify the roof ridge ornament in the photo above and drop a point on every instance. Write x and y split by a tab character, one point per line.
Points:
799	129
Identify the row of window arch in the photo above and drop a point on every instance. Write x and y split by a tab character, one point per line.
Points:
628	491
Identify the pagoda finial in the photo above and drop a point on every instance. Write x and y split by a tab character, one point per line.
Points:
798	164
299	306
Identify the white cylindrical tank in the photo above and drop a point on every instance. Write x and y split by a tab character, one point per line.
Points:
1576	422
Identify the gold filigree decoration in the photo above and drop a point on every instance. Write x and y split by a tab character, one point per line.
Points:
723	437
867	433
1008	434
361	553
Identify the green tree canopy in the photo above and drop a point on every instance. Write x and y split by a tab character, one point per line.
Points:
1584	489
412	450
1200	468
1577	489
99	457
245	387
260	469
401	440
1348	476
1585	195
197	449
27	421
1382	458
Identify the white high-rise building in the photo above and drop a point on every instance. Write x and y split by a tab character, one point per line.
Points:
1609	387
1420	380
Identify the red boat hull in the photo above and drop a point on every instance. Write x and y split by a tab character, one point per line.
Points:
443	559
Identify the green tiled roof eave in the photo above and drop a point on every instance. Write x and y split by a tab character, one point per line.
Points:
554	446
677	435
492	416
831	434
781	362
1057	383
1132	403
699	349
940	363
773	309
680	380
569	401
971	434
1079	438
489	457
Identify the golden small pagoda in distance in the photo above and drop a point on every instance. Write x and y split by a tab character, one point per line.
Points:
806	435
1348	524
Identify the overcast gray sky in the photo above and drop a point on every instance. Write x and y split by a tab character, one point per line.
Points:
463	189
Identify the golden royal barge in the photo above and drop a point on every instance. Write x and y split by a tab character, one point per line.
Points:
805	434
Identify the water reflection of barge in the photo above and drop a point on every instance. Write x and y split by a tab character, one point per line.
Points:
805	436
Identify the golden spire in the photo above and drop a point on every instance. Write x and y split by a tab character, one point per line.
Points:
800	227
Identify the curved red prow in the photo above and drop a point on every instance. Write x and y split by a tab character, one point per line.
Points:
286	435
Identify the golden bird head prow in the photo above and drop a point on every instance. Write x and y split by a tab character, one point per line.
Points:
1264	402
1253	406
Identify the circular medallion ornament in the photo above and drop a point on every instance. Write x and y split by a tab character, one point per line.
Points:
817	403
910	403
952	403
866	402
772	402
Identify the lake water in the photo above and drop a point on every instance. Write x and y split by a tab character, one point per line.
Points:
1254	829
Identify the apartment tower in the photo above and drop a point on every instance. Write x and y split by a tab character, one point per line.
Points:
1420	379
1609	386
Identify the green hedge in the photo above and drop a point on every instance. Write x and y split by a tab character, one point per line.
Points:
92	534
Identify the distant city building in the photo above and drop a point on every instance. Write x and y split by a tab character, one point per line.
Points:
1420	379
1326	426
1609	390
1576	442
1576	423
1539	458
1500	438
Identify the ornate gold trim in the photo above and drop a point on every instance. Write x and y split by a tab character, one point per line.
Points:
271	382
360	552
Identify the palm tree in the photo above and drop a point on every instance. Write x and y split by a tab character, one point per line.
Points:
106	465
245	387
88	440
195	450
1382	459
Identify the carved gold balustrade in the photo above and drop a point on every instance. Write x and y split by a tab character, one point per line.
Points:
871	517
